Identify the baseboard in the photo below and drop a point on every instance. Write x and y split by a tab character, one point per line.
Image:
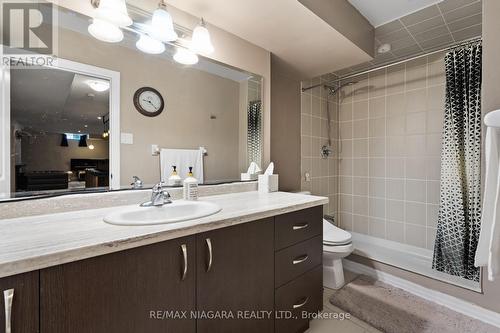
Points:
453	303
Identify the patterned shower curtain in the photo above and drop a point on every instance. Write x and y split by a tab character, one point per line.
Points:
254	132
460	198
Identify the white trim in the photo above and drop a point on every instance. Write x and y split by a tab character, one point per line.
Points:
407	257
453	303
5	157
114	110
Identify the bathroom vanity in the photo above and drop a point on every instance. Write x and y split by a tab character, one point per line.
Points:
248	268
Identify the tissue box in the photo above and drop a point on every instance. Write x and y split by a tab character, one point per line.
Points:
268	183
249	176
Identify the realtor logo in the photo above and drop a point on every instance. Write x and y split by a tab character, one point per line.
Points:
27	27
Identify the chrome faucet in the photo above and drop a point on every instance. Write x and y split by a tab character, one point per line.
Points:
137	183
159	196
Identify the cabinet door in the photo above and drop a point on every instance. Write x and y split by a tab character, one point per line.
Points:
19	303
235	273
137	290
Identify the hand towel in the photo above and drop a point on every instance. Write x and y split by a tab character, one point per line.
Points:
488	249
182	159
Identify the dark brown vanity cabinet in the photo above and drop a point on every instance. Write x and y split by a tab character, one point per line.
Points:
145	289
19	303
225	280
235	269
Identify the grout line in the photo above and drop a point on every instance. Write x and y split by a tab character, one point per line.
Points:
446	24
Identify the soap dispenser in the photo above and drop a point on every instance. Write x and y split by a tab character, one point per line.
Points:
174	179
190	186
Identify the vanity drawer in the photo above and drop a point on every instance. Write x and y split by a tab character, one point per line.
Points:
298	226
296	260
304	294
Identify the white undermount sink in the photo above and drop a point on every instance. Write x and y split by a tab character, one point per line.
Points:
177	211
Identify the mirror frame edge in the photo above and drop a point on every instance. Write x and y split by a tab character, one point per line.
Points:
114	116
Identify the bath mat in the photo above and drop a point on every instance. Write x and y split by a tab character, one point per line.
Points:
393	310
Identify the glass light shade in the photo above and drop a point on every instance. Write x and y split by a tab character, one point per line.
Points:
185	57
105	31
201	42
162	26
97	85
150	45
114	11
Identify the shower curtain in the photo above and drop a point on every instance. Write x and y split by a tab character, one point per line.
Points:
254	132
460	195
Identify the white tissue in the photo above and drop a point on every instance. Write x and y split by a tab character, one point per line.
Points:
270	169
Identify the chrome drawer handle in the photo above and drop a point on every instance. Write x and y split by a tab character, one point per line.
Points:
298	306
300	259
209	246
8	296
300	226
185	261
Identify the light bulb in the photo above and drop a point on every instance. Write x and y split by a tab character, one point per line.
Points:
201	42
97	85
114	11
162	26
185	57
105	31
150	45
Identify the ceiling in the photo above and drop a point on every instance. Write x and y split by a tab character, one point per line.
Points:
284	27
56	101
383	11
431	28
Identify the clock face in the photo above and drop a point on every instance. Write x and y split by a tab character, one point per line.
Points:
148	101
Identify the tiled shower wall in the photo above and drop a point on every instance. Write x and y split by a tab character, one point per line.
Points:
386	165
319	176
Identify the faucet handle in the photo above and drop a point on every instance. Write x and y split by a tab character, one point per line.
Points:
159	186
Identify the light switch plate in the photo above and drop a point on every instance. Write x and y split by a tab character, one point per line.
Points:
127	138
155	150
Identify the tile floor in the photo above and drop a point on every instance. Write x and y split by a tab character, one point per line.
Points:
351	325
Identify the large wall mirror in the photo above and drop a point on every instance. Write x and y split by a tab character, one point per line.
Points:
73	126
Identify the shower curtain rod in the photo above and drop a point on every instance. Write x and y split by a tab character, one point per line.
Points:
387	65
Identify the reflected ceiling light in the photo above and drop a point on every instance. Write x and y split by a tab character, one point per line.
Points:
201	41
105	31
185	57
91	147
115	12
150	45
162	25
98	85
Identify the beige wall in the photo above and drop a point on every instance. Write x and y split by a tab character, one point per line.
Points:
229	49
390	126
346	19
191	97
285	124
44	152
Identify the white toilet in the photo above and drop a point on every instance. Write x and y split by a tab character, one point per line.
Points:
337	244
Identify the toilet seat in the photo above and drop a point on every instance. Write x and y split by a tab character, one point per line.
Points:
334	236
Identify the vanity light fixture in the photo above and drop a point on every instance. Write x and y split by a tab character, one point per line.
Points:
113	11
98	85
112	15
185	56
105	31
147	44
201	41
162	25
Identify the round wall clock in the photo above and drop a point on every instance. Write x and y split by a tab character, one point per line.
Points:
148	101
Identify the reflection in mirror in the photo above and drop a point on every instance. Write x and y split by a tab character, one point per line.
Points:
151	115
59	123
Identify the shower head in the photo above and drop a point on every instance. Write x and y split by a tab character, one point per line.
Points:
333	90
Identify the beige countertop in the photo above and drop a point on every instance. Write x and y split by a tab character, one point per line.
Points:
36	242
